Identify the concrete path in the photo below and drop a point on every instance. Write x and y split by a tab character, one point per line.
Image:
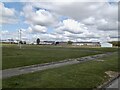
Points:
33	68
114	84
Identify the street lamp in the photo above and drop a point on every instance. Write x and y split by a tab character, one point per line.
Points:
19	38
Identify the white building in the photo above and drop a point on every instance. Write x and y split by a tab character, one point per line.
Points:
106	44
86	43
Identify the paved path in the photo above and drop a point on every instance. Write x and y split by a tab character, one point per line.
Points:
114	84
33	68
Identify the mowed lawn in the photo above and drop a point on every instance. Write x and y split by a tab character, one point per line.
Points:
13	57
84	75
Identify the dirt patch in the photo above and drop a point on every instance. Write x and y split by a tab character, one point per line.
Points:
112	74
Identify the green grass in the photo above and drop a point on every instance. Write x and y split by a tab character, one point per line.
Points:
13	57
84	75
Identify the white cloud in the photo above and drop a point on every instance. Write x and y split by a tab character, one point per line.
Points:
6	20
36	29
108	26
7	15
64	0
88	12
4	32
72	26
76	10
89	21
39	29
101	21
6	11
39	17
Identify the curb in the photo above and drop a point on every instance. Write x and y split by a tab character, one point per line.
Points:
109	82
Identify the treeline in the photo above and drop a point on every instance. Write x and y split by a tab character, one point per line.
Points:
115	43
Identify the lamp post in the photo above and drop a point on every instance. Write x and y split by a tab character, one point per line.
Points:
20	38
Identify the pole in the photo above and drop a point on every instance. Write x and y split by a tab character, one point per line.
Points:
20	39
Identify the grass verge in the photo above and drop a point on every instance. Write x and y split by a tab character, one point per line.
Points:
84	75
13	57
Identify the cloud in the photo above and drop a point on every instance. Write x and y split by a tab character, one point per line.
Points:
87	12
72	26
39	17
7	11
89	21
6	20
38	29
77	10
66	0
4	32
108	26
7	15
85	21
101	24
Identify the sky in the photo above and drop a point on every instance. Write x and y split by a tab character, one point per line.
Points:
53	20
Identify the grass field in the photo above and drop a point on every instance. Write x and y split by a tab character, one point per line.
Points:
85	75
12	56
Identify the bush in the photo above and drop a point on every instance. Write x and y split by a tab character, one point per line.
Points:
70	42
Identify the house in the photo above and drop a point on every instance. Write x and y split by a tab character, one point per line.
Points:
86	44
12	41
7	41
47	42
62	43
106	44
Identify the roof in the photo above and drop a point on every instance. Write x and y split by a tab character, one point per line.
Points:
49	41
88	42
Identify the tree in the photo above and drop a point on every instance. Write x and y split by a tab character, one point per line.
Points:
21	42
115	43
70	42
56	43
24	42
38	41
